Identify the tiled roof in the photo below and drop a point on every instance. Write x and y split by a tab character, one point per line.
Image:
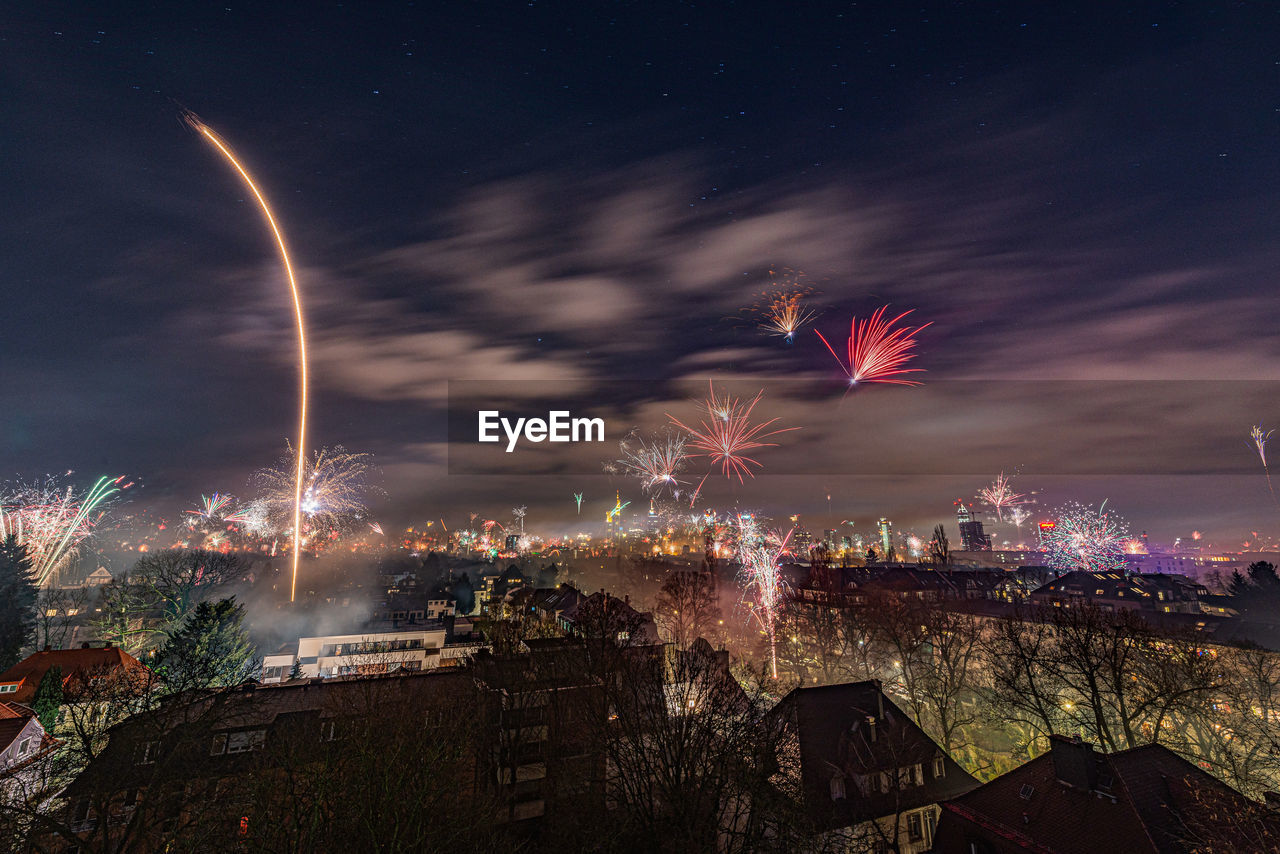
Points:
75	664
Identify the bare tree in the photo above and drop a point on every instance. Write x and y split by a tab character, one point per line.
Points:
686	607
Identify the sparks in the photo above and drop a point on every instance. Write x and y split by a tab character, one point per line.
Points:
656	464
1000	497
725	442
760	554
52	521
1260	442
336	483
1084	538
214	140
877	351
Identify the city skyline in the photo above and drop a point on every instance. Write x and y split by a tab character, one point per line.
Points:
596	201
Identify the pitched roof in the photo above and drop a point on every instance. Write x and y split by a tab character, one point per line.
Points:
75	663
13	719
1073	800
855	732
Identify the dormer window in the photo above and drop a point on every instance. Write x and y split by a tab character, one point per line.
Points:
837	787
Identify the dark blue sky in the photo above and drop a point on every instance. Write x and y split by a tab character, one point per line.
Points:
588	192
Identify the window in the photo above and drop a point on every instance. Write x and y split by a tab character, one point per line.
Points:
328	730
145	753
939	767
24	746
219	745
915	827
8	689
1026	791
244	742
837	788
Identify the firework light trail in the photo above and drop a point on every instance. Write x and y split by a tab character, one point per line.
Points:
760	554
876	351
785	313
1087	539
1260	442
52	522
1000	497
211	507
726	441
336	482
193	121
656	464
577	498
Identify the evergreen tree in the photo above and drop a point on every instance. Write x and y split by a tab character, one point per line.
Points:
17	601
48	700
210	650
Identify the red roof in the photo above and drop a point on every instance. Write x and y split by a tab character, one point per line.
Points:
76	663
13	719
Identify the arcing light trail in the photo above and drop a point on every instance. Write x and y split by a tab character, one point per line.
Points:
876	351
1260	442
193	121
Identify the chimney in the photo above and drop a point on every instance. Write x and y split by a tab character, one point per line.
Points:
1074	762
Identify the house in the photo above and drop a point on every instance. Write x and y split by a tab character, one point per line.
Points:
590	616
22	742
1075	800
376	648
1116	591
81	668
210	765
867	774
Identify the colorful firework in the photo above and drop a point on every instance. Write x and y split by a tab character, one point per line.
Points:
1260	442
785	313
1084	538
211	507
718	408
577	499
876	351
1000	497
726	442
52	521
376	528
760	554
298	475
655	464
336	483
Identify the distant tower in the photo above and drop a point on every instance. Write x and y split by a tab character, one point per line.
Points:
886	539
972	538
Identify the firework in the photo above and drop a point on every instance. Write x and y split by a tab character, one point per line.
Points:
577	498
615	512
376	528
717	408
336	483
1084	538
519	513
785	313
877	351
655	464
1000	497
298	478
1260	442
211	507
1017	515
726	441
52	521
760	554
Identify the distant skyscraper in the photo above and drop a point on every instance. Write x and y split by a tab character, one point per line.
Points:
972	538
886	539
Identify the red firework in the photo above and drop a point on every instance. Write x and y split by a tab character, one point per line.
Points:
726	438
877	351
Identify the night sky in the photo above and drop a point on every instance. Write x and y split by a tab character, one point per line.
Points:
1081	200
